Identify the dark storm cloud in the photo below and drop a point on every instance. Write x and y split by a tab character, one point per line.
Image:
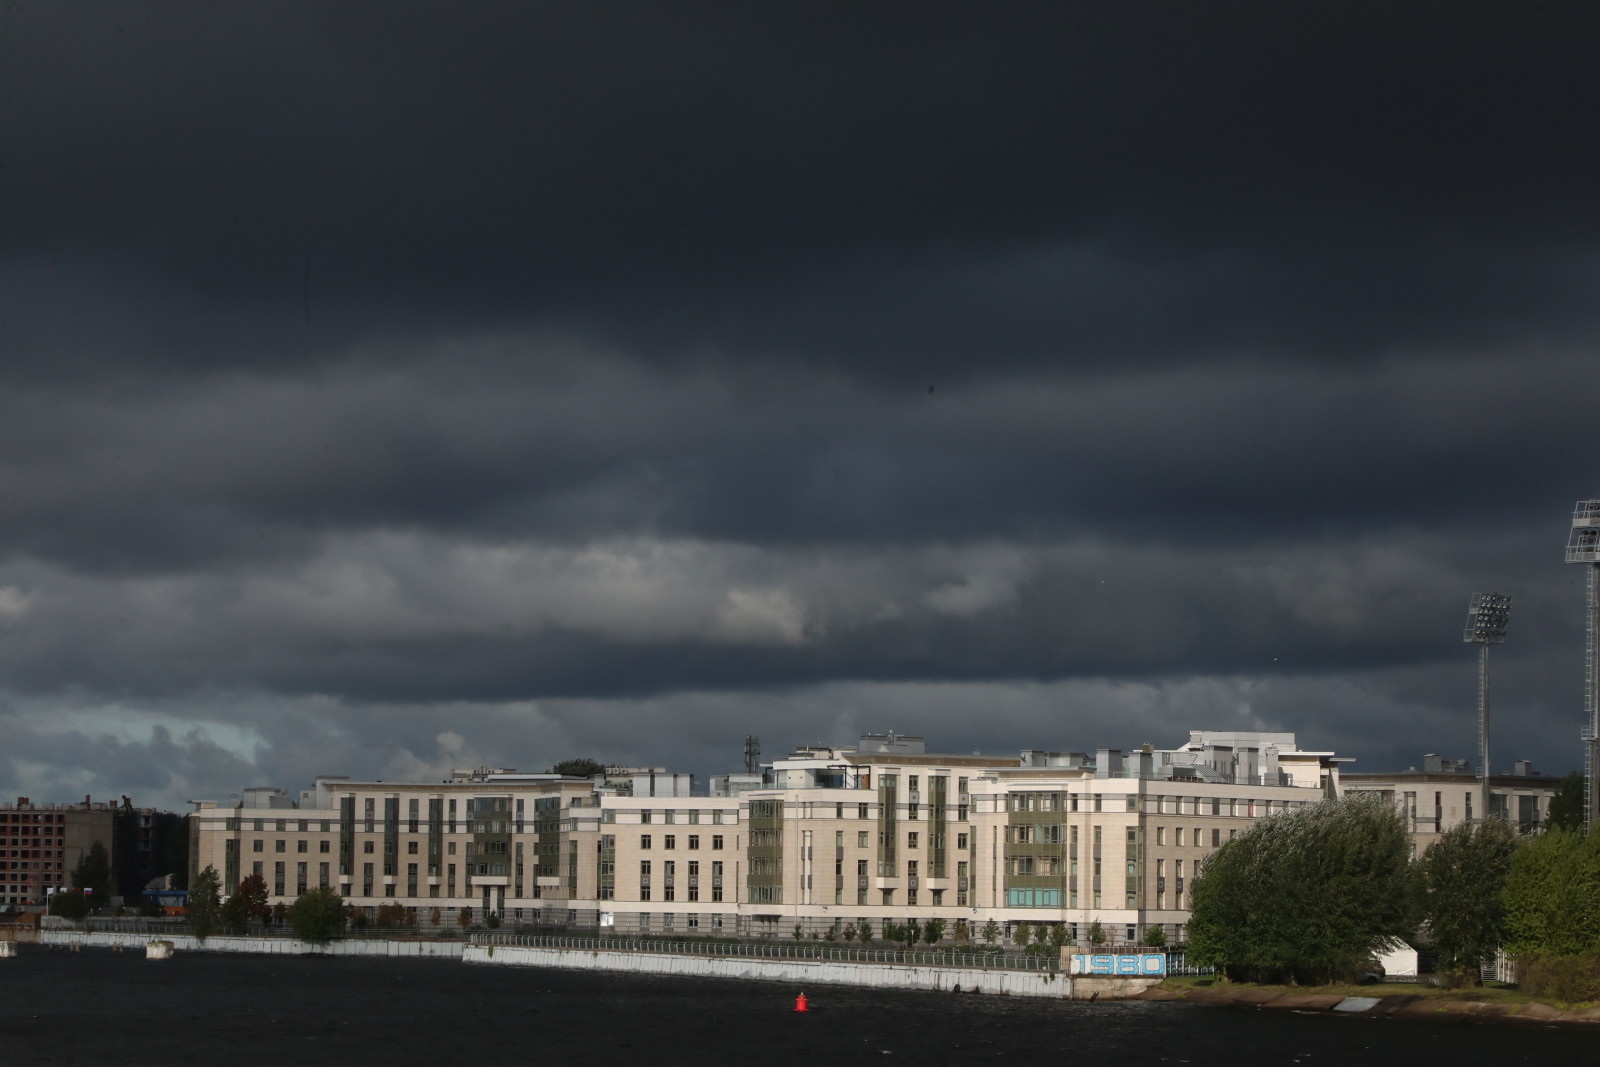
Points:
878	185
392	386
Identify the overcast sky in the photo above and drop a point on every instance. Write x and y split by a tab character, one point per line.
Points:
392	387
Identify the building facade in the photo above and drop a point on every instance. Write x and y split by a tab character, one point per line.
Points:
829	838
1442	795
40	844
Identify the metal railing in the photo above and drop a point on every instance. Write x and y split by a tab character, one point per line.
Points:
994	961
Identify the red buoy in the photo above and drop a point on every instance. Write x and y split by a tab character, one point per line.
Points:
800	1003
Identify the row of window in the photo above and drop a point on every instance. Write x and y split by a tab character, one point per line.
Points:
670	841
669	883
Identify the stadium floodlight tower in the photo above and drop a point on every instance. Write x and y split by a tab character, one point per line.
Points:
1583	546
1487	617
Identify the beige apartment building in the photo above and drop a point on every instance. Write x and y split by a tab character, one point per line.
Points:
879	832
1443	793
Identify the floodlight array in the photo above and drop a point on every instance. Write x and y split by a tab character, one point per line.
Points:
1487	618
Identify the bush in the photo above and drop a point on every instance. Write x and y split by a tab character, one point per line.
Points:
393	914
69	904
318	915
1570	979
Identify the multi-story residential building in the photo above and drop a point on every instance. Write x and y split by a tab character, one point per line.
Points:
1443	794
829	837
40	844
496	842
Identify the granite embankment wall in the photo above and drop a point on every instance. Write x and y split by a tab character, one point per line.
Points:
799	973
271	946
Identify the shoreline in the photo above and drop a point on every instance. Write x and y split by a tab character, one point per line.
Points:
1393	1006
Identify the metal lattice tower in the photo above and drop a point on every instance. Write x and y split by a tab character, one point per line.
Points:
1583	546
752	754
1487	617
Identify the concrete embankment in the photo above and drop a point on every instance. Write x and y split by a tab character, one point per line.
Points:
799	973
270	946
1398	1006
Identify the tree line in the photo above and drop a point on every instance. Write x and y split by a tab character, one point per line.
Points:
1315	895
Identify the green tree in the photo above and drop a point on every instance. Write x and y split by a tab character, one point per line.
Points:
991	932
933	931
961	932
1097	933
1041	933
579	768
1566	806
1463	876
849	931
318	915
205	903
1058	935
1550	894
1021	934
1155	936
799	932
1307	896
233	917
865	933
93	875
69	904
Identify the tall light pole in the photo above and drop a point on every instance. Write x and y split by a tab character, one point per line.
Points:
1487	617
1583	546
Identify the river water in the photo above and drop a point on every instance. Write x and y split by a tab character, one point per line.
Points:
98	1007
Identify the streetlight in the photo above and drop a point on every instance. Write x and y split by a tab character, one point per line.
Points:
1487	617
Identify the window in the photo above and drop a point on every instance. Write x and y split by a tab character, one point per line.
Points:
1177	836
911	839
366	846
961	842
862	840
301	846
1197	832
451	848
669	841
716	841
411	848
1216	838
694	840
644	840
671	816
644	815
257	845
861	812
1161	835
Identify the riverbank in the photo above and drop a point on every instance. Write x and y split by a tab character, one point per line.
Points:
1482	1005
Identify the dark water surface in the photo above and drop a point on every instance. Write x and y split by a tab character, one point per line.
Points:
103	1008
